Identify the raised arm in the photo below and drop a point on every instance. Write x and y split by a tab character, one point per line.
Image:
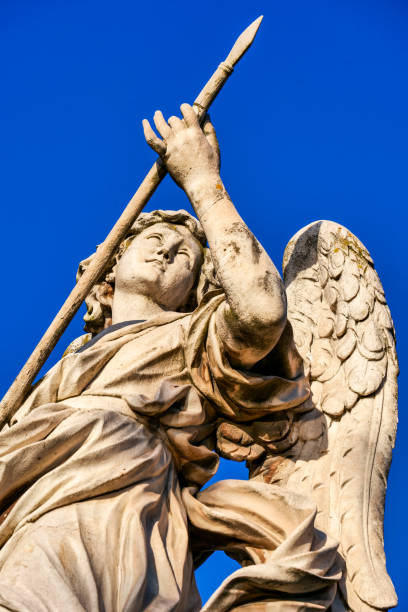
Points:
255	313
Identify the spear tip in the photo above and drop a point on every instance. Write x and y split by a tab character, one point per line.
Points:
243	42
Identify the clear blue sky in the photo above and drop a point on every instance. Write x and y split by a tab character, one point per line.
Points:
313	125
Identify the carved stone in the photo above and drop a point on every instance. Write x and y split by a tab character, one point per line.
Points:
102	466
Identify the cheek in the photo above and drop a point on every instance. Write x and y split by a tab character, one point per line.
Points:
129	264
138	249
148	246
181	277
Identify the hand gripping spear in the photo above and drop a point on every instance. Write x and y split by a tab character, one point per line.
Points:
22	384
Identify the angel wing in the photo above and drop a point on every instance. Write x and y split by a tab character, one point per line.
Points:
345	335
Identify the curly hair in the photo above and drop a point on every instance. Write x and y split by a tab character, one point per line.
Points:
99	301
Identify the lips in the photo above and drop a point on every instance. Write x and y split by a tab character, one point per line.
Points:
159	262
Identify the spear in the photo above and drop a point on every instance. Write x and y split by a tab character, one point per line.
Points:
22	384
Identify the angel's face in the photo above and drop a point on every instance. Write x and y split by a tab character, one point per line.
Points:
162	263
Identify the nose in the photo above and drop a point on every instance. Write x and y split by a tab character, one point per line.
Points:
163	251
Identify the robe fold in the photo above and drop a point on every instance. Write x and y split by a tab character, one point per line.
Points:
101	469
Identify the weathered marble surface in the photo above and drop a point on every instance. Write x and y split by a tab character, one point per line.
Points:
190	354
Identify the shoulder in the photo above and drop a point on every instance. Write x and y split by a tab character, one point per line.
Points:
76	344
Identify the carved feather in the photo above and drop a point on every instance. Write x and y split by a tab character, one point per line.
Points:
344	333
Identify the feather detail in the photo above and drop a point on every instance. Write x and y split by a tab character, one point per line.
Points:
344	333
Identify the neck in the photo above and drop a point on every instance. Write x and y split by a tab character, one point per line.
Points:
131	307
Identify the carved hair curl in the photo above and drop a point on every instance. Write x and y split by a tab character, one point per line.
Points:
99	300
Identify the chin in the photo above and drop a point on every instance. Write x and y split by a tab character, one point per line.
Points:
147	273
143	281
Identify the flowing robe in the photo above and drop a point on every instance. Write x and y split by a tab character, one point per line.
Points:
100	475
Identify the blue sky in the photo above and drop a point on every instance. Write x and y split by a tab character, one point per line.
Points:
312	125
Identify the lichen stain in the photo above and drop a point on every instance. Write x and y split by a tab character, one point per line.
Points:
235	247
239	228
350	242
273	469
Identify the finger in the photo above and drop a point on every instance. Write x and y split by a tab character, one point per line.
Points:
211	136
152	140
161	125
190	117
176	123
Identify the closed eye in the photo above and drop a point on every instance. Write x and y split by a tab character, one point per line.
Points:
154	236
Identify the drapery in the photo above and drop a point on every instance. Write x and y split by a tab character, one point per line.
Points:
90	472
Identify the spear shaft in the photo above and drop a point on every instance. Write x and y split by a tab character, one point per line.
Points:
22	384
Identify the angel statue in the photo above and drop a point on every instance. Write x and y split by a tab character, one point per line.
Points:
192	352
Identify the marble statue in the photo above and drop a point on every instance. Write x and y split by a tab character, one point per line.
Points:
192	352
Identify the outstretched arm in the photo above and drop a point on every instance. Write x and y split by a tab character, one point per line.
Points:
255	313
